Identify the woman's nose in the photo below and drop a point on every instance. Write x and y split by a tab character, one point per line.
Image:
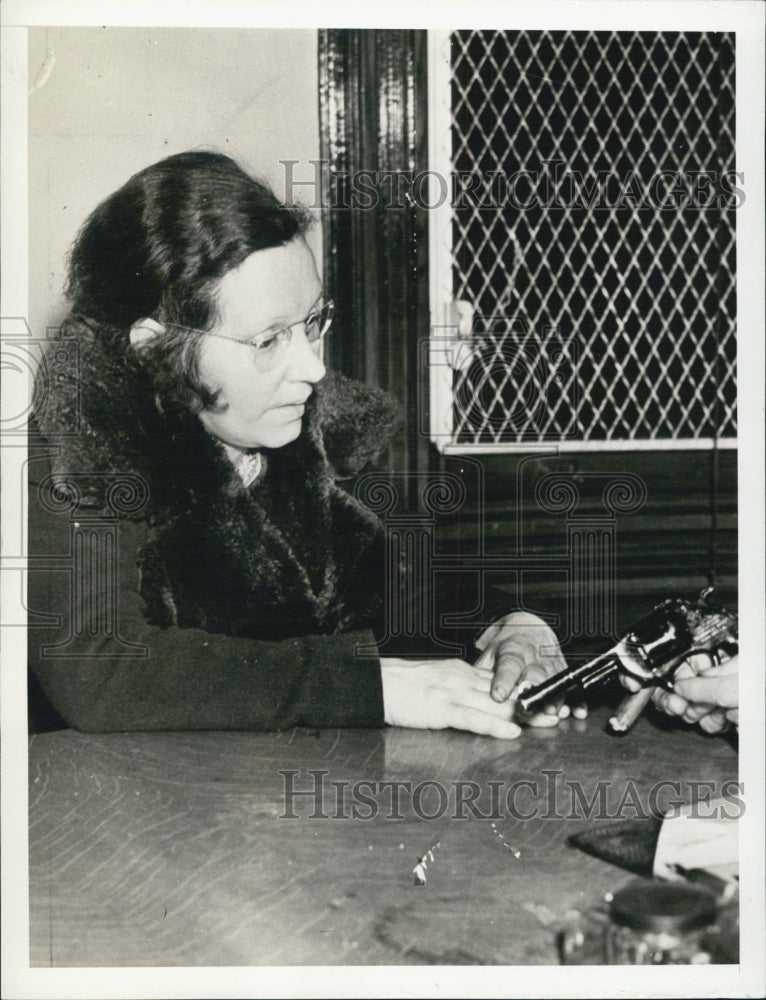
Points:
305	363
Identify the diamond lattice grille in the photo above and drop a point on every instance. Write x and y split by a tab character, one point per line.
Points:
602	282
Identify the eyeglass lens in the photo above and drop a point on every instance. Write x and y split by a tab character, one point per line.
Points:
318	322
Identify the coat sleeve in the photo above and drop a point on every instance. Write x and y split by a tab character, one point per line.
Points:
104	668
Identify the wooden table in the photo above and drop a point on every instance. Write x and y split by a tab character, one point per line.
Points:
169	849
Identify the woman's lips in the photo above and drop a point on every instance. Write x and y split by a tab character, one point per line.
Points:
295	404
294	411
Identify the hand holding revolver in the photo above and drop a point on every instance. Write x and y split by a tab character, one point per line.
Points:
649	655
703	693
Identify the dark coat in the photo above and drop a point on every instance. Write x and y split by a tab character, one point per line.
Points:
250	603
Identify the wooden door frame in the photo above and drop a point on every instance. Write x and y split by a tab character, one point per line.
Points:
373	142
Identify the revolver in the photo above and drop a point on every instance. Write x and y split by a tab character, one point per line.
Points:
650	650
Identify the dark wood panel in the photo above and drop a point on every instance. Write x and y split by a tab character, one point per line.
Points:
373	131
686	527
681	540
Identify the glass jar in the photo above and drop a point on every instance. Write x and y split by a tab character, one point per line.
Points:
645	923
659	924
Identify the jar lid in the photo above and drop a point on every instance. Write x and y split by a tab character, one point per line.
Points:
662	907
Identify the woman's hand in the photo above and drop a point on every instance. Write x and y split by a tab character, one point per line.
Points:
522	650
441	694
702	692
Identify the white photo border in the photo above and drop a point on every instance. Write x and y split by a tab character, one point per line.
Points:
746	19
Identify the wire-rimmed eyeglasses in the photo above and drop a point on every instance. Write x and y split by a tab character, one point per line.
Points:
270	344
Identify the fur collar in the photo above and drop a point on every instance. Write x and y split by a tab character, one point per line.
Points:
291	554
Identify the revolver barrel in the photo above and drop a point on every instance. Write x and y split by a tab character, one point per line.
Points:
586	675
650	650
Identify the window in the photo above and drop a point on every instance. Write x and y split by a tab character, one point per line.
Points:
582	266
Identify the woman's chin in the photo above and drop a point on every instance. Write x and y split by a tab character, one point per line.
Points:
283	435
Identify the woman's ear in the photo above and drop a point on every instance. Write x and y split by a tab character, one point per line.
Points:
143	331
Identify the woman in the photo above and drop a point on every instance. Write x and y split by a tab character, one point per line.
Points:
240	577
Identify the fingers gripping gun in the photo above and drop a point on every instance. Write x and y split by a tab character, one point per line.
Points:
650	651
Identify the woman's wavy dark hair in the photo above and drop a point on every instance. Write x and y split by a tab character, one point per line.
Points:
158	247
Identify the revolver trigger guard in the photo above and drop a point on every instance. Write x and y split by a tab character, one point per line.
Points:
666	681
712	654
